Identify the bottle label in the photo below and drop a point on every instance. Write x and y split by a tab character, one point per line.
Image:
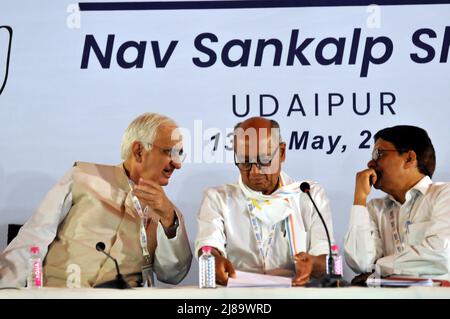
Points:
337	265
338	270
207	274
37	273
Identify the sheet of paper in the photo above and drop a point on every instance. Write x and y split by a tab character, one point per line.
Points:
247	279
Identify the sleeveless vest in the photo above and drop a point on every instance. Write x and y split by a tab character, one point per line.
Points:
101	211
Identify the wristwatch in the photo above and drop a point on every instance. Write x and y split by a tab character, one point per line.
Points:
172	230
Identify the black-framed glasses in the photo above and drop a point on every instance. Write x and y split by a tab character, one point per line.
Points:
261	162
377	153
176	154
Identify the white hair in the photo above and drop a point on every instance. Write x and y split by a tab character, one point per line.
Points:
143	129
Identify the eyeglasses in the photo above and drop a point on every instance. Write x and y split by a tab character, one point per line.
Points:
261	163
378	153
176	154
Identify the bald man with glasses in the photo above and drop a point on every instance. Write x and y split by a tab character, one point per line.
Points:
263	223
407	232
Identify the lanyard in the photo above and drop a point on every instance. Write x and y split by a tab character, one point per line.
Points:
143	214
263	251
147	267
398	241
257	230
395	236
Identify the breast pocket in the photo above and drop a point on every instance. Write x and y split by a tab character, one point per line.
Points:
416	232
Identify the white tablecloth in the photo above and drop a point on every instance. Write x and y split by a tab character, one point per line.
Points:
191	292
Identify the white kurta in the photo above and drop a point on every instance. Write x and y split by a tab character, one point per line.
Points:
41	230
423	226
224	223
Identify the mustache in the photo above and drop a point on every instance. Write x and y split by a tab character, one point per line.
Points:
378	179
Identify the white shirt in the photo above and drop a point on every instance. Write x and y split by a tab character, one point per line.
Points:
172	256
422	223
224	223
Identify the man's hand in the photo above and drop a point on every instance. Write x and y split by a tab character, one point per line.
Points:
361	279
224	267
364	181
152	194
303	269
307	265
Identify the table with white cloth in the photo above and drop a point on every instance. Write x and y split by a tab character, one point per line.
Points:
193	292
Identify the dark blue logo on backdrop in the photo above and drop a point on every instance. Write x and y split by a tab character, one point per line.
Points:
298	50
6	33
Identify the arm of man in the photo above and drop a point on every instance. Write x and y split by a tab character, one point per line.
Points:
224	267
427	250
312	262
40	230
362	244
152	194
211	233
173	255
307	265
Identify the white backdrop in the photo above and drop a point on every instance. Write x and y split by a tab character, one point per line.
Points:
57	108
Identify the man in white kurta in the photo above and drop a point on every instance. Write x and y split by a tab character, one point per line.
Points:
263	223
93	203
408	231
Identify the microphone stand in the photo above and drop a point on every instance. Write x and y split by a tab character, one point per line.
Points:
119	282
330	279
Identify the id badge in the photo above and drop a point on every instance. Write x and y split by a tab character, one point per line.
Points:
147	276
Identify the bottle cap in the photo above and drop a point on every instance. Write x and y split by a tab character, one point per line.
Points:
206	249
34	250
335	248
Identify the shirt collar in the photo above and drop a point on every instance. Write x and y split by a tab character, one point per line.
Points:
419	189
422	185
122	177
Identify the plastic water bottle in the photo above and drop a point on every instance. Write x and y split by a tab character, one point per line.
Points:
207	269
34	279
338	266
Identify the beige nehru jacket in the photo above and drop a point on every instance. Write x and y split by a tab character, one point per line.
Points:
101	211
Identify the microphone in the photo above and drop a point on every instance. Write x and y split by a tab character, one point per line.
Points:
119	282
330	279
